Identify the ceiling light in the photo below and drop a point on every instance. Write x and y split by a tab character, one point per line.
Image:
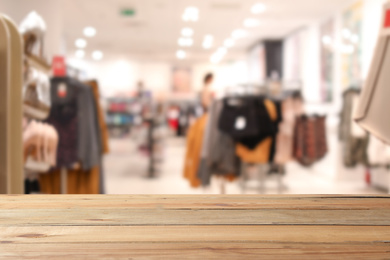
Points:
80	54
191	14
347	33
180	54
221	51
218	55
259	8
208	41
81	43
185	42
347	49
355	38
97	55
229	43
327	40
251	22
89	31
214	59
187	32
239	33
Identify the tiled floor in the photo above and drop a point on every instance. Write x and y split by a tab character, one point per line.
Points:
126	171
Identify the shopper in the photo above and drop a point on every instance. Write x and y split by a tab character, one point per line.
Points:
206	92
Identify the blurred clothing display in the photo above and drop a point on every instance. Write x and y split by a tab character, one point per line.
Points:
247	130
75	115
354	139
102	124
310	143
218	155
291	109
194	146
257	148
40	144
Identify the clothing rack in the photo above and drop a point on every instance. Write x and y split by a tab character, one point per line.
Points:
257	90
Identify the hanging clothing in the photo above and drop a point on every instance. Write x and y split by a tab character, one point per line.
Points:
291	109
279	119
103	130
102	123
74	114
78	182
64	118
89	144
310	139
354	140
194	146
261	153
218	155
239	116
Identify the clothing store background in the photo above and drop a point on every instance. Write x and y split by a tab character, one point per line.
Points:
144	120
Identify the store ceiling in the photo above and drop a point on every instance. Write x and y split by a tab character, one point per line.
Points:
154	30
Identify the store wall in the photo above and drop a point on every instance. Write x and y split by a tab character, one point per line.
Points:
118	75
372	13
51	11
228	74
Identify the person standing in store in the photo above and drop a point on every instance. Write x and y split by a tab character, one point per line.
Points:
207	95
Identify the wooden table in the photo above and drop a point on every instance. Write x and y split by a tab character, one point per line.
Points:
195	227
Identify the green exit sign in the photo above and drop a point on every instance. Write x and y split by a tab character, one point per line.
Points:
128	12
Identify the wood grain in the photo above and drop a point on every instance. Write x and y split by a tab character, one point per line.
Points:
194	227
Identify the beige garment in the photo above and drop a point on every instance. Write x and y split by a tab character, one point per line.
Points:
291	108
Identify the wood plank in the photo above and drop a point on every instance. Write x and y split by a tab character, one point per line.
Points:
278	234
318	202
121	217
194	251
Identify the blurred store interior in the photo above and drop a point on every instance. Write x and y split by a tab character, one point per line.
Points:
196	97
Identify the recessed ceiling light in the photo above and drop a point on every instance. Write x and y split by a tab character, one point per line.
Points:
326	40
80	54
239	33
187	32
221	51
185	42
347	49
89	31
258	8
229	43
355	38
180	54
214	59
251	22
347	33
208	41
97	55
191	14
81	43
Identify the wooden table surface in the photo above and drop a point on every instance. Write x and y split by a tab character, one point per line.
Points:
194	227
